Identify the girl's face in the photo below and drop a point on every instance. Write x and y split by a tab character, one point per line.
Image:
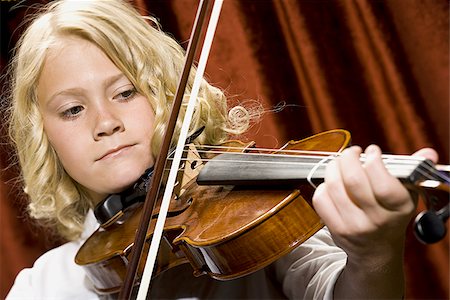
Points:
99	126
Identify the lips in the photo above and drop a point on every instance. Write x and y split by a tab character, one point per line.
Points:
114	152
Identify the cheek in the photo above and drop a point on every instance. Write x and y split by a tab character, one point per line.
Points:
142	120
143	124
66	143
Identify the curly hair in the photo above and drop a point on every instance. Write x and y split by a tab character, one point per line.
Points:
151	60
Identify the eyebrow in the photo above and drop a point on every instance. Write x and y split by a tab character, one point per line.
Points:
113	79
74	91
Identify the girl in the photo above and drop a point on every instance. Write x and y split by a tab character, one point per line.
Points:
92	87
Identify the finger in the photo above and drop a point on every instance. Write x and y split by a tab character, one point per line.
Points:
388	191
336	189
355	181
427	153
326	208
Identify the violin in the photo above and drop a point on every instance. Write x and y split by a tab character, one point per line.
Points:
245	209
227	230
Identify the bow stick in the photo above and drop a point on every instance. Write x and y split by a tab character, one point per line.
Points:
150	201
157	233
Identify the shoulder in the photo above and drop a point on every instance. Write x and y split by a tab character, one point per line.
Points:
53	275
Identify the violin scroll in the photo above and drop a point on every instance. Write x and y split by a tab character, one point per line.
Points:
430	225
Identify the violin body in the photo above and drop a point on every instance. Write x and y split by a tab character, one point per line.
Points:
223	231
106	253
229	231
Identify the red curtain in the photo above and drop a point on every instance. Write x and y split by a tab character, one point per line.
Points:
379	69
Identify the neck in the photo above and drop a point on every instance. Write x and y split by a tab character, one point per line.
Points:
262	169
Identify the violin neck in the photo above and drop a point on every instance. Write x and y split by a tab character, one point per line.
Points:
261	169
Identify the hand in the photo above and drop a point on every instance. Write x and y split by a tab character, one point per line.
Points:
367	212
365	208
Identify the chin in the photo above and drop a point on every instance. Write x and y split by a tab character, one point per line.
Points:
125	180
122	185
117	177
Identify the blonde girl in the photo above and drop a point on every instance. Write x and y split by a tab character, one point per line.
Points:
150	59
92	85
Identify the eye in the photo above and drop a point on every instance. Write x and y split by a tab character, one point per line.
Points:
72	112
126	95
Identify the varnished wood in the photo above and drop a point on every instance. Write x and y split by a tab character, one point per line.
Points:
223	231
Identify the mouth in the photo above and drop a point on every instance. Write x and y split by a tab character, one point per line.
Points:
114	152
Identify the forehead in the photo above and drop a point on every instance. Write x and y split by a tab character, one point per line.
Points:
73	62
67	50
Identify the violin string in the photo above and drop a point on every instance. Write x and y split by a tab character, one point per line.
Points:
429	169
314	166
269	162
434	170
274	152
387	158
314	169
426	171
397	157
391	161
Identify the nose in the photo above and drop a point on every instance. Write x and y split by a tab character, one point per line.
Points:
107	122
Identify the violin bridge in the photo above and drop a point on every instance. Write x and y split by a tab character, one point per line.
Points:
192	164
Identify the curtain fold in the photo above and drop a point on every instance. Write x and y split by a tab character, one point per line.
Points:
311	80
377	68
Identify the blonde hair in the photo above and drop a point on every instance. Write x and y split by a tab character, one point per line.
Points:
150	59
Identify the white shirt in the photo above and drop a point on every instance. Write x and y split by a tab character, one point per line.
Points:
309	272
